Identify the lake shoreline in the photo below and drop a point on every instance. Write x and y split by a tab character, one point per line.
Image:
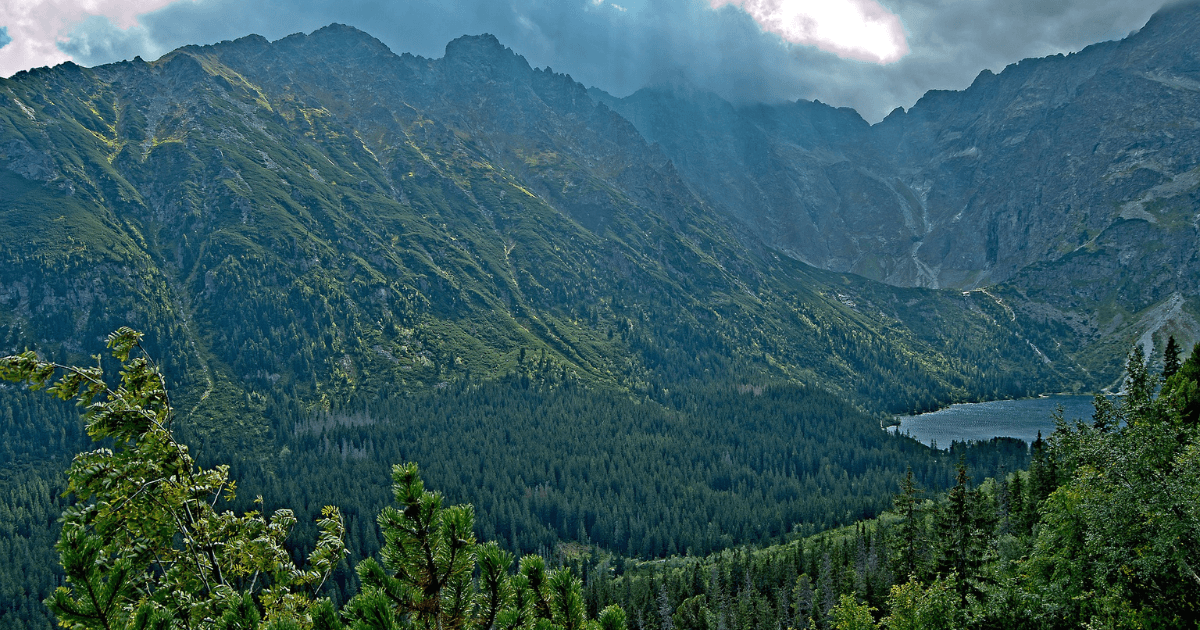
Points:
1019	418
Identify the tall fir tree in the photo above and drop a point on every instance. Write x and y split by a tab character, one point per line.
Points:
960	535
1139	385
910	532
1170	358
1183	389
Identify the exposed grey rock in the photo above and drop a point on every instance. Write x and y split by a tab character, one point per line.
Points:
1022	177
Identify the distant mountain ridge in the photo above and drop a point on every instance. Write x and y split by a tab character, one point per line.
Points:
322	216
966	188
345	258
317	220
1073	182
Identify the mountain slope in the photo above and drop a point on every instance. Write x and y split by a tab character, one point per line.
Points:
346	258
320	217
1071	180
966	188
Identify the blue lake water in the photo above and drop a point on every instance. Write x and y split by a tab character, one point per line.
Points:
1020	419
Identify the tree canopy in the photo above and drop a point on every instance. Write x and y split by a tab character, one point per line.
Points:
144	546
1102	531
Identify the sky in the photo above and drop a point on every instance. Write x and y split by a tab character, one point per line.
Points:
872	55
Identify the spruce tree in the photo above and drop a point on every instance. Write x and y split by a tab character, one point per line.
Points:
1043	473
1139	385
1003	507
1021	516
1170	358
959	532
1183	390
910	531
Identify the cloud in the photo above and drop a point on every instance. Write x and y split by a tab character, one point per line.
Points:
36	26
4	38
855	29
98	38
623	48
953	40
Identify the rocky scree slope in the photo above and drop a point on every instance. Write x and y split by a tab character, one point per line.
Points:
1072	182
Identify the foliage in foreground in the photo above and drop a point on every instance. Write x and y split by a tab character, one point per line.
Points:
144	547
1102	532
543	461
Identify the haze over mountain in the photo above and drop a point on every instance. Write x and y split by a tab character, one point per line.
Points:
1073	179
345	258
768	51
967	188
320	215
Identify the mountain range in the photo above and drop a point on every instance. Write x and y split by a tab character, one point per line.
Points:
1052	159
1069	181
322	216
344	257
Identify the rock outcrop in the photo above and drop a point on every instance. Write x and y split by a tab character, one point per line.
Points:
1052	173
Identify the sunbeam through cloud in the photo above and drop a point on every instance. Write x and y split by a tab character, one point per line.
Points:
853	29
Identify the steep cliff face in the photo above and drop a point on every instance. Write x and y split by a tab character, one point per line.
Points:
1071	183
1050	157
1057	152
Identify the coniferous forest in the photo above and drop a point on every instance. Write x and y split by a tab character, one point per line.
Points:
545	461
1100	530
463	344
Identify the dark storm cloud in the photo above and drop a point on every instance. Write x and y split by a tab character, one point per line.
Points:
620	51
4	38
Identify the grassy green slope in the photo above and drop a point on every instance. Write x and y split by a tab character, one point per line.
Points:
323	218
318	224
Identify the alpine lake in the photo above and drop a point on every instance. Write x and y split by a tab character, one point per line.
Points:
1021	419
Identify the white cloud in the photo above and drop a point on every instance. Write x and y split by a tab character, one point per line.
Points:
854	29
36	26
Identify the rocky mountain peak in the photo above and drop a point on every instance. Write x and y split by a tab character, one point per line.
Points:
1176	17
337	43
1062	161
485	55
249	42
1168	40
343	35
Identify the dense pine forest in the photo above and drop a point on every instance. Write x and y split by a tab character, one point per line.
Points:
1100	529
544	459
